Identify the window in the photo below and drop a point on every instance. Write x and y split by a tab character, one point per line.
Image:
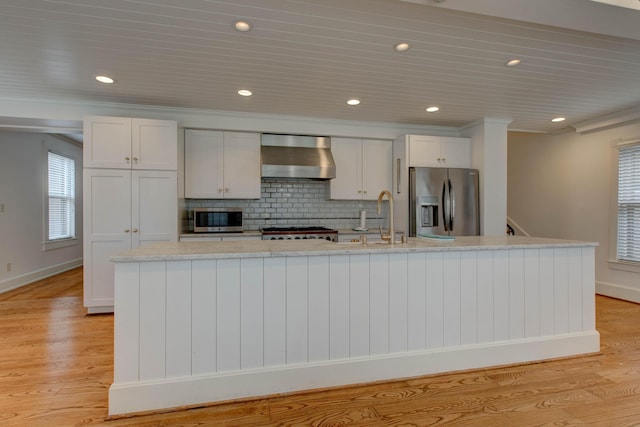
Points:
628	207
61	197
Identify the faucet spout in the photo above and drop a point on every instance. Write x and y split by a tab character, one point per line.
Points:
392	237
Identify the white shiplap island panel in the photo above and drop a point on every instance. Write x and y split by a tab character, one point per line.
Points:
301	316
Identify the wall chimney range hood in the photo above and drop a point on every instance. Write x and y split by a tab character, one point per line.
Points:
297	156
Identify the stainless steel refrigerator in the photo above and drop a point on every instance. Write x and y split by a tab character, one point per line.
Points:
443	202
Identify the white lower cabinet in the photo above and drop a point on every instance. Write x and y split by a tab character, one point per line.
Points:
240	238
123	209
225	238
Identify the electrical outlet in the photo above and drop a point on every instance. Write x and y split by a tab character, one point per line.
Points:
8	267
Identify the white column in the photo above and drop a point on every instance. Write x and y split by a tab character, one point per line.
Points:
489	155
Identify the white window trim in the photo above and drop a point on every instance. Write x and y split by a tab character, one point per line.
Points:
613	262
49	245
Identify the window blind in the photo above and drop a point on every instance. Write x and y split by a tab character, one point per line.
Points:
61	171
629	202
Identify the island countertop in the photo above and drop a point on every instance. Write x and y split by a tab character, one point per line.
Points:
270	248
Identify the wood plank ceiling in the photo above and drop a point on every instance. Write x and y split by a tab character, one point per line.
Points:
307	57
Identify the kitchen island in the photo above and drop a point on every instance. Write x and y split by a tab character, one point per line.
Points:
199	322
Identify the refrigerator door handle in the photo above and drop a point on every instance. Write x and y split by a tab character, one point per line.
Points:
445	205
413	203
452	204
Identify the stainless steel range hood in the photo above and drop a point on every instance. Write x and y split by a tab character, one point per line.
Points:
297	156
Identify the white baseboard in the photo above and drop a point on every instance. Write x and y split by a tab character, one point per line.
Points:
614	290
186	391
33	276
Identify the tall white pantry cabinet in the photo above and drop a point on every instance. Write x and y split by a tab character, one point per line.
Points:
130	195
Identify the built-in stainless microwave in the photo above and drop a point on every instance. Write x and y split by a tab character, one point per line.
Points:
217	220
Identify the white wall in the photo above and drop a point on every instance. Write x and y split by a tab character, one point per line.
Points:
560	186
22	192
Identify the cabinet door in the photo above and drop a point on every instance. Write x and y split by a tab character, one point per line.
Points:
154	144
107	142
154	207
107	230
203	164
201	239
240	237
456	152
242	169
424	151
347	154
376	168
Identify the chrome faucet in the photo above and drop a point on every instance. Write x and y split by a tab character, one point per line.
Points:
391	236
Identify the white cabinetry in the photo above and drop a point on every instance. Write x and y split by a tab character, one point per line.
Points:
223	238
222	165
127	143
437	151
130	195
123	210
363	168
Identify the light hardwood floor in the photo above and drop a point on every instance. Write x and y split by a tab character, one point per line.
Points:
56	367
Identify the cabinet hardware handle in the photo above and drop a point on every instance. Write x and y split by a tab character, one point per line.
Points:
135	159
398	175
135	230
226	190
127	159
126	230
219	190
365	191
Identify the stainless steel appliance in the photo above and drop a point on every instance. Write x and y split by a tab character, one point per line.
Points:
299	233
444	202
297	156
217	220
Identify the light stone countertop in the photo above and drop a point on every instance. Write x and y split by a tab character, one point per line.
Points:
269	248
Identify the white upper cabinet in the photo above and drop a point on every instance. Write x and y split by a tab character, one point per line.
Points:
438	151
222	165
363	168
130	143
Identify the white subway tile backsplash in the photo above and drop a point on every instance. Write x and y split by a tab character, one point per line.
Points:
294	202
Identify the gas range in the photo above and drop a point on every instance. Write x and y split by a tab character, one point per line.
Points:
299	233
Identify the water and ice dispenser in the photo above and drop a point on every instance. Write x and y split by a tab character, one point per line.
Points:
428	212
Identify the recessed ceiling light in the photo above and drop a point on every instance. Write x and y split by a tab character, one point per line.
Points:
401	47
242	26
433	109
513	62
105	79
558	119
245	92
353	101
